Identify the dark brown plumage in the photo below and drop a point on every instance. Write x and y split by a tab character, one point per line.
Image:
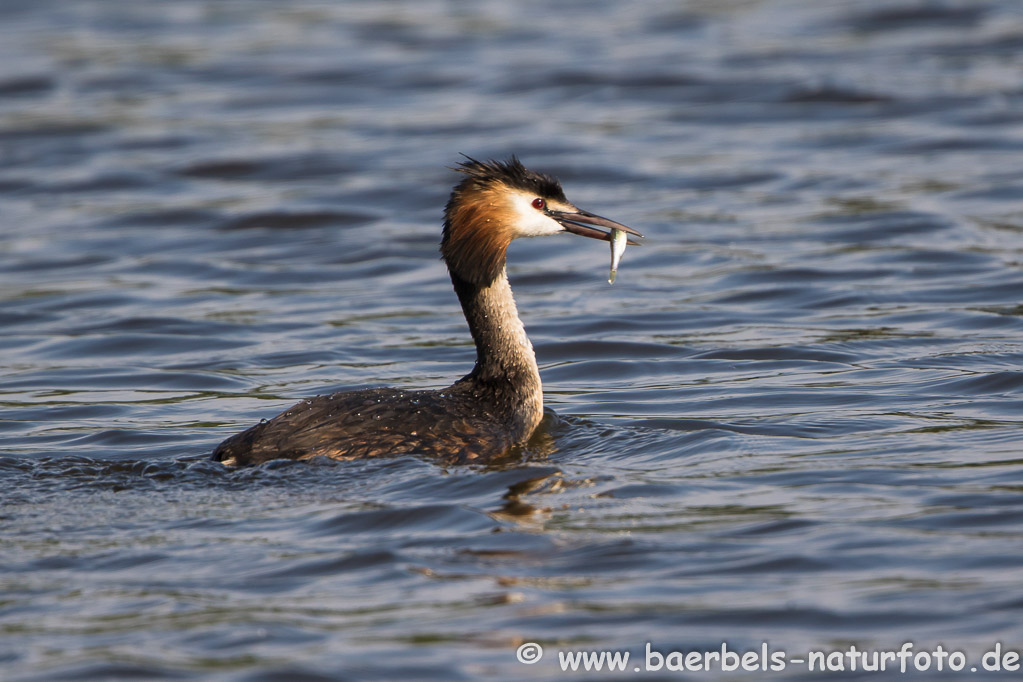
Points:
500	402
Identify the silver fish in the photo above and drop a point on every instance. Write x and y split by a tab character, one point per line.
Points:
618	242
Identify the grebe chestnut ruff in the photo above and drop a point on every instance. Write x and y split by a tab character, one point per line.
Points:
500	402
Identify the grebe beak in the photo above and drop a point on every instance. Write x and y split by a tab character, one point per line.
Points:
579	221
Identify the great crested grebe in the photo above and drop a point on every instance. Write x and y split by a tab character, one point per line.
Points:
500	402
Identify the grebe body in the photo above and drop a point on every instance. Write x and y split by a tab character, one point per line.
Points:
499	403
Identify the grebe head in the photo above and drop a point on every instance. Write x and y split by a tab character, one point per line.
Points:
501	201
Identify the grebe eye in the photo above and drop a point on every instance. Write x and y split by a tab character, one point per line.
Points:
539	204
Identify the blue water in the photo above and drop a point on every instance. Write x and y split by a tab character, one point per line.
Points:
795	419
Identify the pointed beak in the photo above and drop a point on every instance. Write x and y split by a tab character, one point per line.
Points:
582	223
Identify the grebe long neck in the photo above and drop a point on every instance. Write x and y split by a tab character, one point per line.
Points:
505	363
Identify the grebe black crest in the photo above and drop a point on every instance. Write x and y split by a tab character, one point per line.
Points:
499	403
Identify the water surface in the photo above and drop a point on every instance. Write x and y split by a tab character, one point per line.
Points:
794	419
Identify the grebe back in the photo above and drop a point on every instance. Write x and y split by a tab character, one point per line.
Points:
500	402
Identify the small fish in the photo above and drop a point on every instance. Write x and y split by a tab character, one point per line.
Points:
618	242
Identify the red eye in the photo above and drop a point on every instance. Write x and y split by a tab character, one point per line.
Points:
539	204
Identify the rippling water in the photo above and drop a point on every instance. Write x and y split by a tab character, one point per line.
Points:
795	419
